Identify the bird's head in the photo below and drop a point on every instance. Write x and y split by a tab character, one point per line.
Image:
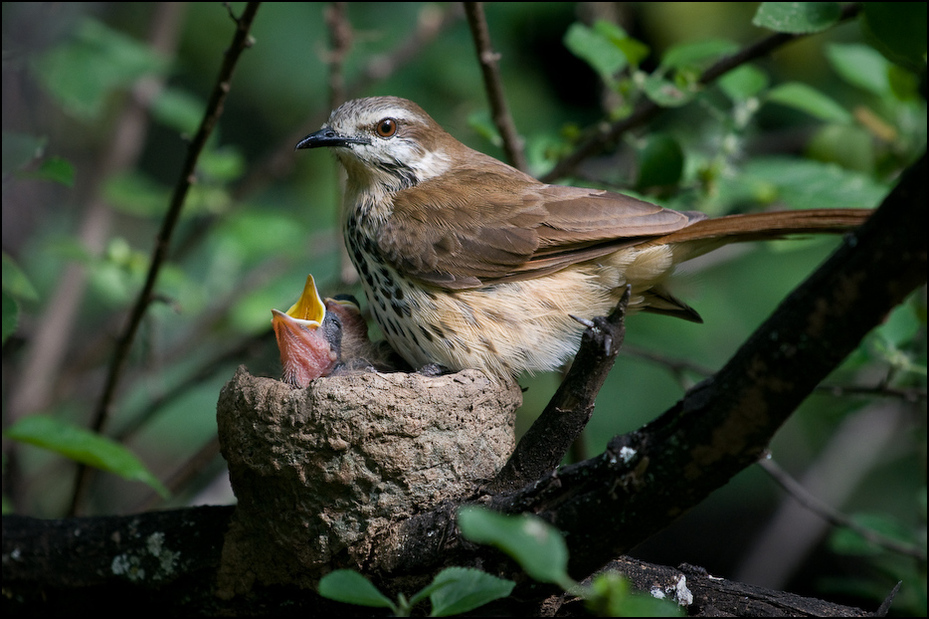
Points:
309	338
386	141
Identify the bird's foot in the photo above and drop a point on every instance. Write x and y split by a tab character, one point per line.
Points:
433	369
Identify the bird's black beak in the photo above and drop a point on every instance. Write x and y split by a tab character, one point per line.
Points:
327	137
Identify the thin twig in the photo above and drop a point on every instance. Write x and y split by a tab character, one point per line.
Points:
487	59
280	162
431	22
341	36
906	394
833	516
43	370
340	43
241	41
648	109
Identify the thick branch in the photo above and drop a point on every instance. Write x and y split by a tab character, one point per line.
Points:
166	563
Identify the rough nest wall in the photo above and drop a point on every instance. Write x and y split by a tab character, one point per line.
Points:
318	472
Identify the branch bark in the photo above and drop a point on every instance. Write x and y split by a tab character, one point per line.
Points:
166	562
487	58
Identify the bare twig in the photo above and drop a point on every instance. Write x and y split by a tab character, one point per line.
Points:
241	41
431	22
833	516
648	109
487	58
906	394
340	41
42	368
341	36
280	162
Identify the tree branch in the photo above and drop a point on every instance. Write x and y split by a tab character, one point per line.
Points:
166	562
649	109
240	42
487	59
641	483
547	441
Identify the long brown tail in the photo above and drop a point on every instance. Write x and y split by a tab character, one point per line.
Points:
708	234
772	225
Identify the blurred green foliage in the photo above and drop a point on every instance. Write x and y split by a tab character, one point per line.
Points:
828	120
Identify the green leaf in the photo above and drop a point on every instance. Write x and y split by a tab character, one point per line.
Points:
136	194
666	93
902	325
57	170
82	72
743	82
83	446
457	590
178	109
352	588
860	65
803	183
904	84
611	595
536	545
15	280
697	53
807	99
596	49
221	165
661	162
797	17
898	30
483	125
635	51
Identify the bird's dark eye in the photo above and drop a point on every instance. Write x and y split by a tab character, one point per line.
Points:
386	127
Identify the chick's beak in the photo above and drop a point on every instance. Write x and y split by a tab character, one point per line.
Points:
308	349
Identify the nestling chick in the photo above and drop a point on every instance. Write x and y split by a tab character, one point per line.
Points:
309	338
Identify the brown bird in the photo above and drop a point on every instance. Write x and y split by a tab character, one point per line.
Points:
308	337
469	263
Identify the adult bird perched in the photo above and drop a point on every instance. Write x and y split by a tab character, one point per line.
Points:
469	263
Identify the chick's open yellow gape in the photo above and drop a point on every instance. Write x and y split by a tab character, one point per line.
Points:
308	338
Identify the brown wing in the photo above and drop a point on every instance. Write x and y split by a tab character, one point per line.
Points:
502	226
